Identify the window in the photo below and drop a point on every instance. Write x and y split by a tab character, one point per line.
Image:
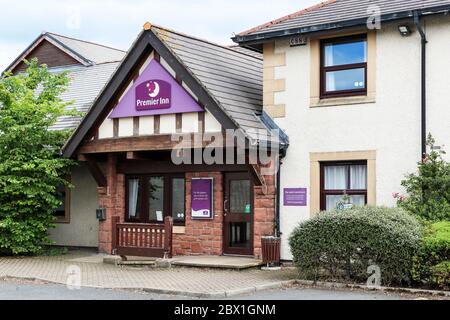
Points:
149	198
343	66
62	213
343	178
240	196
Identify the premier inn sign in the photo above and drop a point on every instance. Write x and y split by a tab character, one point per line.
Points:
155	92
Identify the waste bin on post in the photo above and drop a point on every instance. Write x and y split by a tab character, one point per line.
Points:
270	247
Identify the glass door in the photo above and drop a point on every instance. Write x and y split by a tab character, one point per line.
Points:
238	214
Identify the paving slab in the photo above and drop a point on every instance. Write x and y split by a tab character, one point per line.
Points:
197	282
224	262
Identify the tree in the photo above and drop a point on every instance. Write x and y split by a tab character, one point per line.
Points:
31	167
428	190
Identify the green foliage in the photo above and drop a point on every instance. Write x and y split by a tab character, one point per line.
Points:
341	244
30	164
428	190
432	263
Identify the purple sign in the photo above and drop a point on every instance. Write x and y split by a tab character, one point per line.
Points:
201	198
294	197
153	94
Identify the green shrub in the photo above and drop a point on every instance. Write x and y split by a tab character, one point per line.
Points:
428	190
432	264
345	243
31	167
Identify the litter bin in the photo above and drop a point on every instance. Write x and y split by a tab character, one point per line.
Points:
270	251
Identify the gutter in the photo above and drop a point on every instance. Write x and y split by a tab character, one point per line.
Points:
252	40
424	41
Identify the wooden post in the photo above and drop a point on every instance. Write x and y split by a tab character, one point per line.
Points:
115	220
168	227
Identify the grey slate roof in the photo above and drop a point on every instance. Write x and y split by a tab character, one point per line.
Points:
335	11
233	77
93	52
85	85
86	79
246	51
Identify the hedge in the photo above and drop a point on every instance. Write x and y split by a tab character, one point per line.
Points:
343	244
432	263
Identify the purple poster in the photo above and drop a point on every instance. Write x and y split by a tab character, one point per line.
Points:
201	198
153	94
294	197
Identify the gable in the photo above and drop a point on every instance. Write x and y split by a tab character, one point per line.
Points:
88	132
182	114
48	54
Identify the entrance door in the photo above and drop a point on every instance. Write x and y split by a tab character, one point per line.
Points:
238	214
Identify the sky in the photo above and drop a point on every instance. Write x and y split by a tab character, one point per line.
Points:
117	23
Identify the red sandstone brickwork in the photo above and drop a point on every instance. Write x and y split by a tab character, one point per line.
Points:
202	236
264	213
113	199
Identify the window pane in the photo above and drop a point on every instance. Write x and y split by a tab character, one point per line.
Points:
358	200
134	196
178	199
351	79
240	236
358	177
332	201
337	54
240	196
61	195
156	199
335	177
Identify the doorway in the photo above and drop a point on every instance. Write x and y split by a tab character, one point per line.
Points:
238	214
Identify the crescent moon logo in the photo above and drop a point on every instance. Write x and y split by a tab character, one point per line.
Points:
153	89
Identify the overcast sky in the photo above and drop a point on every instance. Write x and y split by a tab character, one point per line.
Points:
117	23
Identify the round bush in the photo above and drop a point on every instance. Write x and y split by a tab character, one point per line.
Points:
432	263
345	243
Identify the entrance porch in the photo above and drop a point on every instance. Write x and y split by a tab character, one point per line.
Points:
142	222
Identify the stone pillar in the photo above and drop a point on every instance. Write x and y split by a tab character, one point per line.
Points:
108	200
264	213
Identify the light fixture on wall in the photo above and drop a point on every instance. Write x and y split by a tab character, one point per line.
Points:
404	30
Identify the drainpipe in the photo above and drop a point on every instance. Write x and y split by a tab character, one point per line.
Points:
278	191
419	26
277	205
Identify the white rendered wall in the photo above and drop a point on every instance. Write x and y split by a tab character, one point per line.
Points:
82	231
391	125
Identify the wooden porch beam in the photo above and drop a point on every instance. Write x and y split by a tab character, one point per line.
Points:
157	142
94	169
258	178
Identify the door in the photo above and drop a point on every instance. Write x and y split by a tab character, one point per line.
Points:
238	214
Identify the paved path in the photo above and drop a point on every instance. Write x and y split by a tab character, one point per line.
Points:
13	289
94	273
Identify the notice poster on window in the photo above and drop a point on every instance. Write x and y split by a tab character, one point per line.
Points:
202	198
294	197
